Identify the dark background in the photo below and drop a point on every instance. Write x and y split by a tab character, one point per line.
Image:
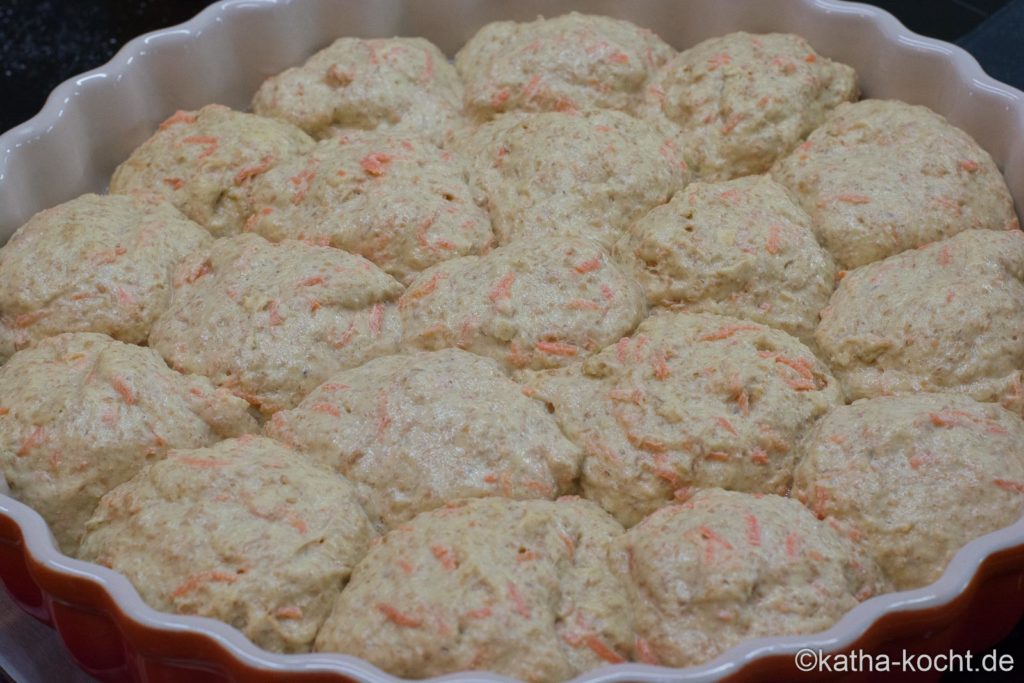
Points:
43	43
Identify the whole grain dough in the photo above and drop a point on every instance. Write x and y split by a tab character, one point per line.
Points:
946	317
271	321
245	531
725	567
401	84
741	248
913	478
688	401
414	431
521	588
882	176
399	201
80	413
584	174
204	162
740	101
534	304
93	264
575	61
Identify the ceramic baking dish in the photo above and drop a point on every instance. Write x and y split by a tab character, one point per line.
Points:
91	122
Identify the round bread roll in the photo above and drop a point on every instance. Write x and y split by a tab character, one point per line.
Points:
399	201
521	588
689	401
913	478
401	84
883	176
575	61
244	531
204	161
945	317
272	321
586	174
93	264
415	431
741	248
725	567
535	304
740	101
80	413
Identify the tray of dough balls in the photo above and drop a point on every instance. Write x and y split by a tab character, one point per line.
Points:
541	347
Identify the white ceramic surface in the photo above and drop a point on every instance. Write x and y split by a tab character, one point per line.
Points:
91	122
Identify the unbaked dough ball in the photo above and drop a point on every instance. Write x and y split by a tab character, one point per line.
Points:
882	176
244	531
587	173
725	567
399	201
688	401
575	61
946	317
413	432
80	413
520	588
740	248
400	84
740	101
93	264
204	162
913	478
533	304
271	321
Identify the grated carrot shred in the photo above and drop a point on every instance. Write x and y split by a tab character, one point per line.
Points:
397	617
557	348
195	581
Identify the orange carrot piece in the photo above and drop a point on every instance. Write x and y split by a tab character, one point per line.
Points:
36	437
557	348
853	198
179	116
1007	485
375	163
774	242
726	425
122	388
194	582
588	266
601	649
503	289
326	408
444	556
262	166
288	613
644	652
208	142
518	603
397	617
753	531
726	332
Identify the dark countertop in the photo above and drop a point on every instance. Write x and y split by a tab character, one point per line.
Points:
43	43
